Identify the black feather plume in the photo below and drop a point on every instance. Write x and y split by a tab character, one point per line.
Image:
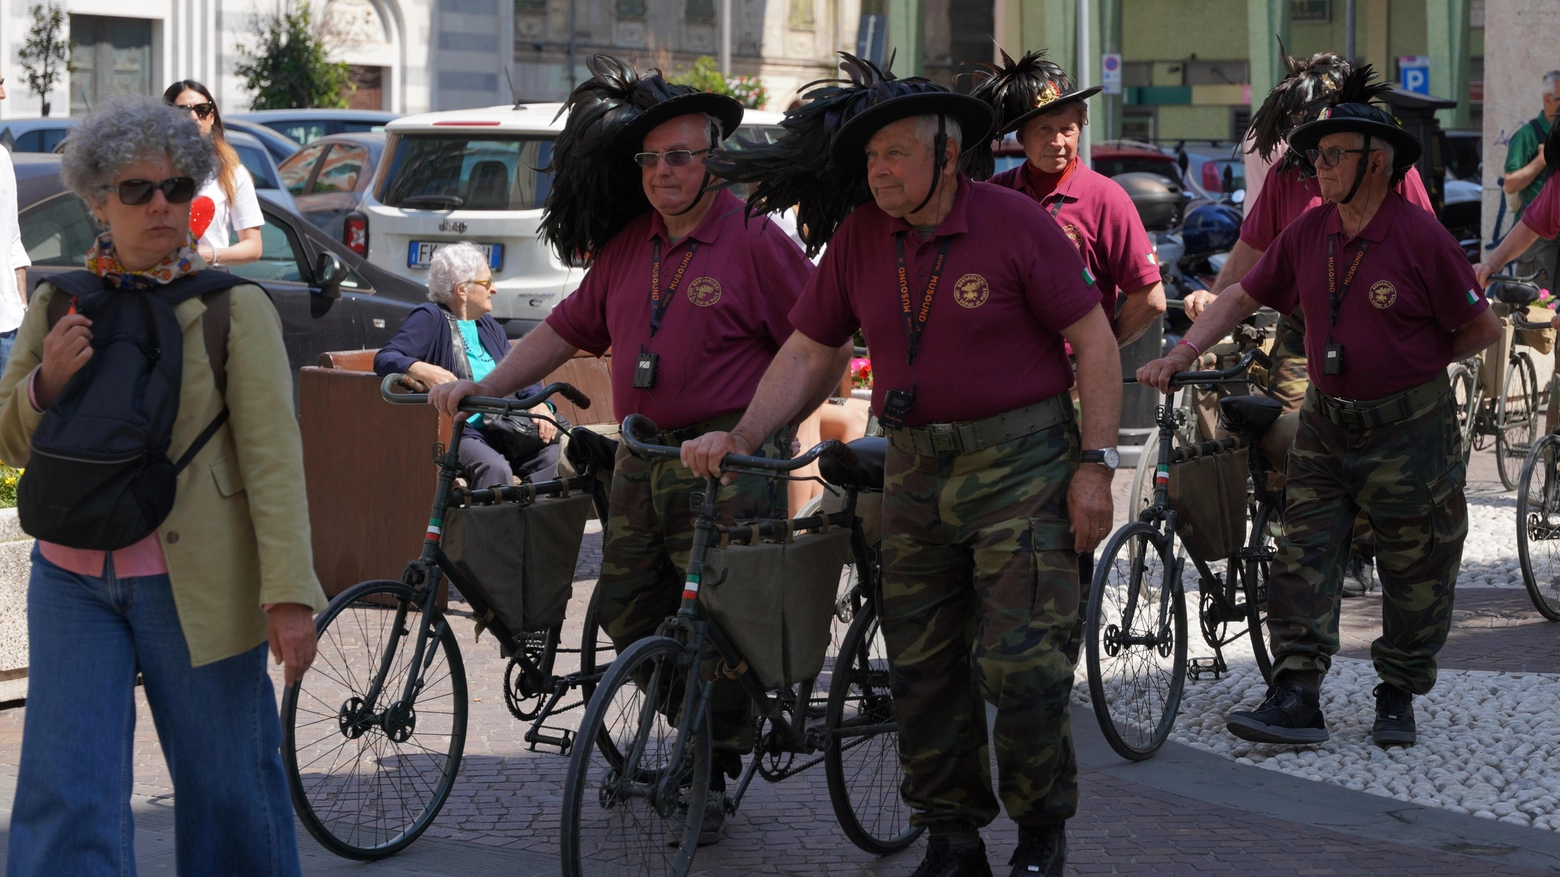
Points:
1305	87
1012	89
796	170
596	188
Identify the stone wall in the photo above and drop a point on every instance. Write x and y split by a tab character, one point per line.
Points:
15	565
1526	33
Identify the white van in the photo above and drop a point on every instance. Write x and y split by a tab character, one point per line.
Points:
475	175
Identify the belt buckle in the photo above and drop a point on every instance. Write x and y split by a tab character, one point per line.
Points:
942	437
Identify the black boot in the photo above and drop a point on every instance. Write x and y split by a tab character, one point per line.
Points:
944	859
1358	575
1394	717
1042	851
1291	714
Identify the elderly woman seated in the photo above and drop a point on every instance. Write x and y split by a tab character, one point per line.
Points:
454	336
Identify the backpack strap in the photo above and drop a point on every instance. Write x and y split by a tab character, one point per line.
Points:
215	326
74	285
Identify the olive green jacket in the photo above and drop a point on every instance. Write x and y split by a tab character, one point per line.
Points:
238	536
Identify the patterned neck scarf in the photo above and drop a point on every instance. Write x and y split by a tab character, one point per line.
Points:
103	261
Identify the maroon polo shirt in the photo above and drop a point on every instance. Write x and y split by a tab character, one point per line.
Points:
992	340
1543	215
723	325
1100	219
1285	196
1413	288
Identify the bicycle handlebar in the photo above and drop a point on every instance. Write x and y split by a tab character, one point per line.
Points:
637	428
1233	373
484	404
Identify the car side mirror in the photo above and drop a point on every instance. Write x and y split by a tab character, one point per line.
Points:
328	274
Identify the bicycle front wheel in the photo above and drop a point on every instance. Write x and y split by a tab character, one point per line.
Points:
368	770
1538	526
1136	642
861	762
1255	569
1466	396
634	804
1516	416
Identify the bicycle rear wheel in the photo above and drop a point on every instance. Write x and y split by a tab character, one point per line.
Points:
1538	526
1255	569
636	805
1136	642
861	762
1516	415
367	782
1466	395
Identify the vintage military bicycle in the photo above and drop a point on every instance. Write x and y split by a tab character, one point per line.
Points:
635	802
373	734
1504	414
1136	637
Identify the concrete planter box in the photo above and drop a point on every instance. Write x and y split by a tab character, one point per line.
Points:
15	568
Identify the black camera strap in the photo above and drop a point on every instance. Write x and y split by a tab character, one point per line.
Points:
658	302
915	321
1335	291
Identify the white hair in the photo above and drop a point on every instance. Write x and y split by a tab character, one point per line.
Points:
926	130
452	266
1551	79
1384	147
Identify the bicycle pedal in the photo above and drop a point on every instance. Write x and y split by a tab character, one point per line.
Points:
1212	668
564	743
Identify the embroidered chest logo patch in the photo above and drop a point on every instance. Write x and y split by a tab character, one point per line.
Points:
1383	294
971	291
1073	235
704	291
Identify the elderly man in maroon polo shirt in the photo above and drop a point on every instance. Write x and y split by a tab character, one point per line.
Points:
965	293
1391	301
1036	100
692	297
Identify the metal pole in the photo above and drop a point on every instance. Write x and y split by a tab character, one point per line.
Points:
1081	74
725	38
573	39
1348	32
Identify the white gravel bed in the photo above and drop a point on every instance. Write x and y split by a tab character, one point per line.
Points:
1490	552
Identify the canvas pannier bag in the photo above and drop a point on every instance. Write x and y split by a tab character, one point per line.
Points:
775	601
518	559
1541	340
1209	496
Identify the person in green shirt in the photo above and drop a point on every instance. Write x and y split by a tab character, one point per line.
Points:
1526	172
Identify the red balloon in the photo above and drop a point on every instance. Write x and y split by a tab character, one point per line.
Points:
202	210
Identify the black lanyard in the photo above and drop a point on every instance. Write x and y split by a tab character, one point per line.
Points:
1335	294
658	302
1056	206
915	323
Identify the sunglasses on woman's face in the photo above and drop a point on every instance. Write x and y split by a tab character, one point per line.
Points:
132	193
201	111
487	284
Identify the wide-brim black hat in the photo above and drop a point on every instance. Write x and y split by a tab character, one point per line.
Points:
1047	106
1362	119
848	148
725	110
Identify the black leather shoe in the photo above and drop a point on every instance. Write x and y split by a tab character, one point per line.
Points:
1291	714
1394	717
1358	575
944	860
1042	852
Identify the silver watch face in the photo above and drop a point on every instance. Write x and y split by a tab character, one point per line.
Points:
1112	459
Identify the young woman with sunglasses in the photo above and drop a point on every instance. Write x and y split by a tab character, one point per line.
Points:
226	204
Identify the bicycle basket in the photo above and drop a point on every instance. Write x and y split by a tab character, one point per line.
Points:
1541	340
1209	496
518	560
793	583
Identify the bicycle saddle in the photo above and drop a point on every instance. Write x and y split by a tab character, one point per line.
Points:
1519	294
1248	414
867	474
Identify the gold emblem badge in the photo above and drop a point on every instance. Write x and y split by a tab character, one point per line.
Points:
1047	94
704	291
1383	294
971	291
1073	235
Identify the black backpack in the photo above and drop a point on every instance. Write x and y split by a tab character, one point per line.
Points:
100	477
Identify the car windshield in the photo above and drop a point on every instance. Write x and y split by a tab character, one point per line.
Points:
463	172
259	169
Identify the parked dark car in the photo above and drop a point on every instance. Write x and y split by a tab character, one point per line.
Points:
328	177
35	135
328	297
278	144
307	126
1111	158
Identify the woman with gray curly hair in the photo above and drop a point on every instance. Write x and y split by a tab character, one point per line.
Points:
192	606
453	337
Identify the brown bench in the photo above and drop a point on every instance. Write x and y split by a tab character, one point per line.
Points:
368	465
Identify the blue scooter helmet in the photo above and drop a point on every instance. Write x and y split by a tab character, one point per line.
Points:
1211	228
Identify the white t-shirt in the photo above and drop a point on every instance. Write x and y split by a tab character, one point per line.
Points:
12	253
227	220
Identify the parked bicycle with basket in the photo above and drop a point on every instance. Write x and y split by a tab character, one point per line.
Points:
762	594
1497	392
373	740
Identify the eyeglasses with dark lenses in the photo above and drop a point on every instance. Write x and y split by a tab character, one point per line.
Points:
674	158
178	190
1330	156
201	111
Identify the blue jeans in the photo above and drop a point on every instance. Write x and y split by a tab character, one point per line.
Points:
7	341
217	723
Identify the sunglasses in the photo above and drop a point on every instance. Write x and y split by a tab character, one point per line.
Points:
178	190
1330	156
674	158
487	283
201	111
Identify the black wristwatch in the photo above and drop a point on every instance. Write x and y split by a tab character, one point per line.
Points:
1107	457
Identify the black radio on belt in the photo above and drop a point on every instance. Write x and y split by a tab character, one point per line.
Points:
1332	359
644	370
896	408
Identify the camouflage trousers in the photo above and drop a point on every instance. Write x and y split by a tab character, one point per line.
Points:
1407	477
644	558
980	598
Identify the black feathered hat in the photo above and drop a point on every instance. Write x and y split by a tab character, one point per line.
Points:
596	188
819	165
1352	110
1305	88
1017	91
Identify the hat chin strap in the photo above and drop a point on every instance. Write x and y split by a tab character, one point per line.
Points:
1359	173
939	161
704	186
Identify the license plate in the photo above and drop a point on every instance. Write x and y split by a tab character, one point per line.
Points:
420	253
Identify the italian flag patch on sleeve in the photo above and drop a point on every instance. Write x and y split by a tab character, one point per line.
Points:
1087	277
1473	296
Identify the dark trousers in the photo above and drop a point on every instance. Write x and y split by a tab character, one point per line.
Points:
485	467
